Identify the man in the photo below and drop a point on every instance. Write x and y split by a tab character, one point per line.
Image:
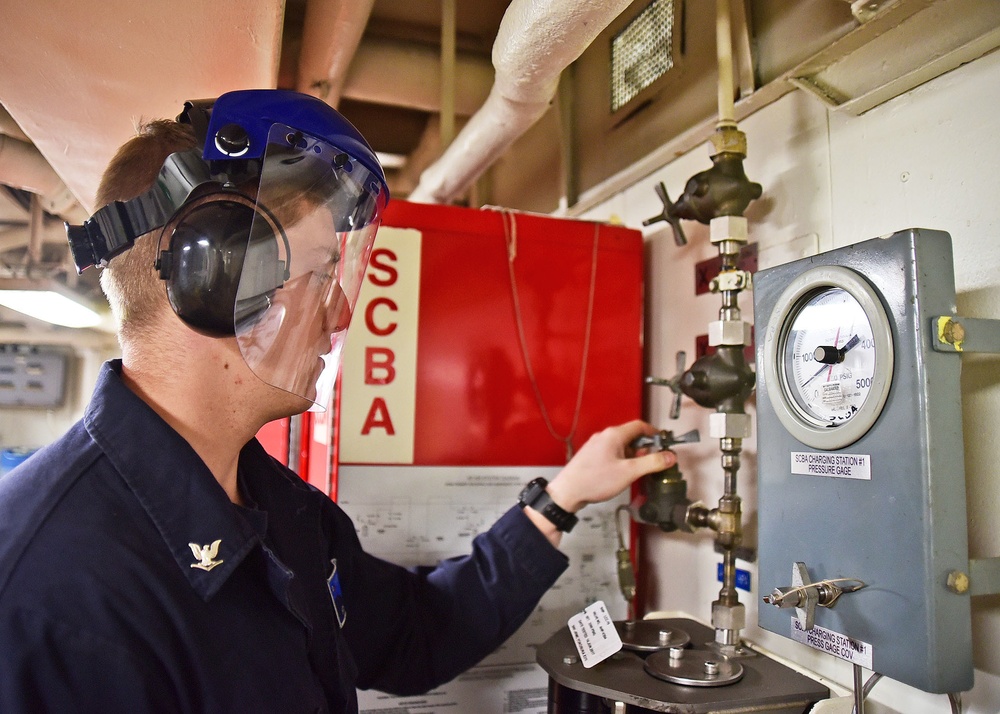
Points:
155	559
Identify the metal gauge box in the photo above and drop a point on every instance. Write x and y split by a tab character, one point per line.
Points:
860	456
32	376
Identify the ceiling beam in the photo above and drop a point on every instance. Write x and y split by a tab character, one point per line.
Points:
75	93
408	74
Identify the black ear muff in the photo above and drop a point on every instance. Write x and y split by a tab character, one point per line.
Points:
222	263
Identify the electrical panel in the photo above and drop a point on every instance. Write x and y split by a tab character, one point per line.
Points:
32	376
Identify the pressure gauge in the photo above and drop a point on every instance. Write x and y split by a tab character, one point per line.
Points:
828	349
859	455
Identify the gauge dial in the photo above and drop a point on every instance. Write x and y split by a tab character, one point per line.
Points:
828	350
829	357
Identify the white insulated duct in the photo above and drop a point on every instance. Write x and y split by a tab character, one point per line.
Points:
536	41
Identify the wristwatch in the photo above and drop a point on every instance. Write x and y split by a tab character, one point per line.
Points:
535	495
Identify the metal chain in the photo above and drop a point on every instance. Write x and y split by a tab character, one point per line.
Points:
509	221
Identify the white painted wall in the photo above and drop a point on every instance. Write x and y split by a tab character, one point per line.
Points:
929	159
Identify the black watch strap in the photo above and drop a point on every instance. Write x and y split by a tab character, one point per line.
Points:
535	495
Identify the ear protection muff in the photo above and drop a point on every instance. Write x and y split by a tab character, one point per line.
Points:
221	262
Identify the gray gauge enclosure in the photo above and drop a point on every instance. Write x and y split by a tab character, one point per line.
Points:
897	522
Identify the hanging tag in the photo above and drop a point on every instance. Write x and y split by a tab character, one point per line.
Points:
594	634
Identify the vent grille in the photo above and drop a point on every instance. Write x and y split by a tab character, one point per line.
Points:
642	52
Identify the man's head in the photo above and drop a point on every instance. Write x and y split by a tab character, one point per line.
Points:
130	280
258	212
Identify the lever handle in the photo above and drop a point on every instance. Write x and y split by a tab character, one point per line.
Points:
674	383
806	596
669	214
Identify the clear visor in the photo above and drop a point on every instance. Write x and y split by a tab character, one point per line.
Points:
322	210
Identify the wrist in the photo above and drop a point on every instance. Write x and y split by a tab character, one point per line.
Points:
563	497
536	496
544	525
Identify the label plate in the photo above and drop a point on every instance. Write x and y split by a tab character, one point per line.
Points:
810	463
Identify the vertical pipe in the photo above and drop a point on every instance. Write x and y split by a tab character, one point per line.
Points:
859	691
35	226
567	133
724	49
448	31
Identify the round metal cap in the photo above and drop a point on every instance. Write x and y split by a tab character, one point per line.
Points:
695	668
650	635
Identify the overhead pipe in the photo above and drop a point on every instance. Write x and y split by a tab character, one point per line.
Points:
10	127
23	166
331	34
535	43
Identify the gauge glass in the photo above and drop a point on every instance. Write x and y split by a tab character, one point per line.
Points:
829	357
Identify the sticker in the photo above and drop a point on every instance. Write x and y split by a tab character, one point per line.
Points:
824	640
809	463
336	594
594	634
742	577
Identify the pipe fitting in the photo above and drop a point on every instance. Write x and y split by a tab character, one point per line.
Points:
698	516
724	425
728	139
728	617
729	229
729	332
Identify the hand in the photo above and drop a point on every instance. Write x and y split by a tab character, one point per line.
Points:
602	469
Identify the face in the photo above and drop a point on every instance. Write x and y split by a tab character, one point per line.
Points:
327	208
300	332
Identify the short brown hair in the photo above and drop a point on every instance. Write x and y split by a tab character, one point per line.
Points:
130	282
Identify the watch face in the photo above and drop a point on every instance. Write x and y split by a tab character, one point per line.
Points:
531	491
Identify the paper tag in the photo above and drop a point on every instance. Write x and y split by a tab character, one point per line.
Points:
594	634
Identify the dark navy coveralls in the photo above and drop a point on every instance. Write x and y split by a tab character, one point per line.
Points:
115	596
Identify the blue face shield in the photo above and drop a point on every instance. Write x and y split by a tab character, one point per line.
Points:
264	234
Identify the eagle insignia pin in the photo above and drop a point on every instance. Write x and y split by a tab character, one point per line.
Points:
205	555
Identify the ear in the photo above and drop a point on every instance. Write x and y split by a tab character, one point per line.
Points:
204	263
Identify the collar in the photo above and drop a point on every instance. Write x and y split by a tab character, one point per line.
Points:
190	509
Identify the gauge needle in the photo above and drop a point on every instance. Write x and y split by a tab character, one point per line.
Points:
830	356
